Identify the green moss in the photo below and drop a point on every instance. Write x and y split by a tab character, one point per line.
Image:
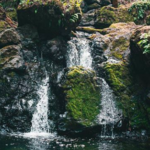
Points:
82	96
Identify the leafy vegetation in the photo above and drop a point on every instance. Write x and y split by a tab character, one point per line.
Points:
138	10
144	42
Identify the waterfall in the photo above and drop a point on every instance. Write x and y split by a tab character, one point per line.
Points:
109	114
40	123
79	53
40	116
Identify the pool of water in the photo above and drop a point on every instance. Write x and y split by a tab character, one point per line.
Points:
16	142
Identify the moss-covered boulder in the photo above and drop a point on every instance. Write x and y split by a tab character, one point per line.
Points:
108	15
140	50
82	97
51	17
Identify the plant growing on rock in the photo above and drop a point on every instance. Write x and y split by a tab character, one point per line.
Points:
139	10
144	42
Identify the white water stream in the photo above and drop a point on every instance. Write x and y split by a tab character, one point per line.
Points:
79	53
40	116
109	114
40	124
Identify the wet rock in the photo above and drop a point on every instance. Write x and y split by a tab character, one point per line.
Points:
55	49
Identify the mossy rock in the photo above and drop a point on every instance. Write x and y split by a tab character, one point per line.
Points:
108	15
82	97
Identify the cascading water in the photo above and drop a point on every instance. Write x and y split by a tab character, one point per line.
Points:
79	53
40	123
40	116
109	114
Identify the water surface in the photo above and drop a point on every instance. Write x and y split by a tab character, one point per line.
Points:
61	143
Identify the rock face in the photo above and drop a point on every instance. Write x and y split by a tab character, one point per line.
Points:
59	18
82	98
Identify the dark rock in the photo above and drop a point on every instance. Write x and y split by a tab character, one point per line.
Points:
54	49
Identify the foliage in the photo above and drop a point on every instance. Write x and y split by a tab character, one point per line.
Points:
138	10
144	42
9	3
